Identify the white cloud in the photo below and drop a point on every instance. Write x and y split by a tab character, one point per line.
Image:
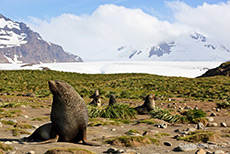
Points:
110	27
212	19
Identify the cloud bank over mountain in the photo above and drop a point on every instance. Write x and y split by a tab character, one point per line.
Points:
110	27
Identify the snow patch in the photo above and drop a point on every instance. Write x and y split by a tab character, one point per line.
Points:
9	24
13	61
183	69
11	39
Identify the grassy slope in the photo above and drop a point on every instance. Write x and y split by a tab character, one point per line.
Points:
122	85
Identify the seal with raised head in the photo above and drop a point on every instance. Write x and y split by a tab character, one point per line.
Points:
148	105
112	100
96	101
69	116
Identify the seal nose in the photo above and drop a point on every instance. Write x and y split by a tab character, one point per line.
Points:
52	85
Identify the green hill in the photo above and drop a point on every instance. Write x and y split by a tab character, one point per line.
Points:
132	86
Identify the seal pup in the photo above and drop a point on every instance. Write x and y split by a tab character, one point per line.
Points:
96	93
148	105
112	100
96	101
69	116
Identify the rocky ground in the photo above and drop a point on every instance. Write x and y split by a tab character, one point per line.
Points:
23	114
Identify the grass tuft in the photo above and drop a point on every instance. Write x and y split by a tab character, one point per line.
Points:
69	151
132	141
118	111
199	136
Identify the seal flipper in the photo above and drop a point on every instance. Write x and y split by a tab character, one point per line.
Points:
86	142
90	143
52	140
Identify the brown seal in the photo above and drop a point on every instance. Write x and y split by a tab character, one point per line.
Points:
69	116
148	105
96	93
112	100
96	101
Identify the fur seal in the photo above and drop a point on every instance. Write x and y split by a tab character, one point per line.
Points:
96	101
96	93
112	100
69	116
148	105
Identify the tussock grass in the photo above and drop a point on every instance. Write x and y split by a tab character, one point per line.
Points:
199	136
44	118
161	134
118	111
191	116
223	105
5	147
102	122
165	115
69	151
132	141
10	113
122	85
147	121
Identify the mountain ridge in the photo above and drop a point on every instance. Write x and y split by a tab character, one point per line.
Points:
188	47
19	44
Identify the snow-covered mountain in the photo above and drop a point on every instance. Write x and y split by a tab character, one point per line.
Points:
189	47
19	44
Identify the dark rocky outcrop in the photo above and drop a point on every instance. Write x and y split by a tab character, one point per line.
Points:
223	69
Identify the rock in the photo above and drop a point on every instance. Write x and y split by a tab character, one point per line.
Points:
8	142
217	110
111	150
219	152
121	151
200	125
162	125
13	120
187	108
23	106
0	124
223	124
213	114
209	152
177	130
212	124
113	129
184	132
31	152
176	136
200	151
130	151
29	95
185	147
167	144
191	129
151	132
26	116
133	134
210	119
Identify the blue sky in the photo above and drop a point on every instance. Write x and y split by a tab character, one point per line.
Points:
94	27
46	9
